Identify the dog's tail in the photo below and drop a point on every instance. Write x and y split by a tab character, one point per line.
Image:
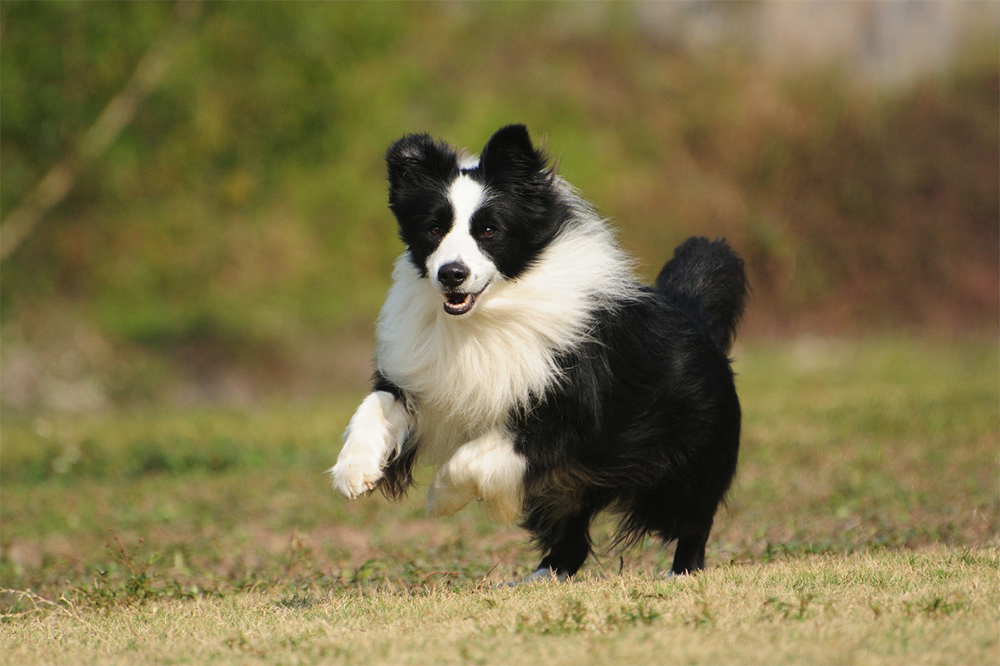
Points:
710	277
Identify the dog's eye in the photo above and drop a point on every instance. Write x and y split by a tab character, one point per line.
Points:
489	232
434	231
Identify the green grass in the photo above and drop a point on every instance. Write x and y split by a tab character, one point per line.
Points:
239	224
862	529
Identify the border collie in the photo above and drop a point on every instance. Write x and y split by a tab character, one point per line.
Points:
518	353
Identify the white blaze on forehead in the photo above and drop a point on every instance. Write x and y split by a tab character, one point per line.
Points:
466	197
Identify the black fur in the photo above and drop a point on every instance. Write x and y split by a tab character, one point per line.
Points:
399	471
646	424
646	421
417	165
525	217
708	280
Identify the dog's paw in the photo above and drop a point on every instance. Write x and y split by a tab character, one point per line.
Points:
546	575
375	431
444	498
353	476
359	465
487	469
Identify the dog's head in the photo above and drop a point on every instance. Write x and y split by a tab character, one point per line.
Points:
469	224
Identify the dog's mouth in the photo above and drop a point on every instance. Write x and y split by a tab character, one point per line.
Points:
456	303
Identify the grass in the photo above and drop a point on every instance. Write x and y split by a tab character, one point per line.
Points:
862	529
894	607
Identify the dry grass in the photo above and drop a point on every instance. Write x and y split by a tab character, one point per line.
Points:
936	607
862	529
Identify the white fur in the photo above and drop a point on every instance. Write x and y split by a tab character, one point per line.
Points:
377	429
463	375
466	196
467	373
488	469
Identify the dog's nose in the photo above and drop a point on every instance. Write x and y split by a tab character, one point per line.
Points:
453	274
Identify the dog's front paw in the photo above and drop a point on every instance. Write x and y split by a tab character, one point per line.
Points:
355	475
359	465
445	498
377	428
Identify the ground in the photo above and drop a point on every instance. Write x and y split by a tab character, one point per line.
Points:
862	528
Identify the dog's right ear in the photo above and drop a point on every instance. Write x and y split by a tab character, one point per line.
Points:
417	161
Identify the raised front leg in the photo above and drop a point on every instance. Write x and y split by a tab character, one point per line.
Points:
487	468
377	429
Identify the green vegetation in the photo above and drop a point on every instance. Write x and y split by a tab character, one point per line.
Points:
238	224
862	528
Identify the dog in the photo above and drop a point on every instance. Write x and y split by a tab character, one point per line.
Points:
518	353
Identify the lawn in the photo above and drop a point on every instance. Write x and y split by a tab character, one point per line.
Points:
862	529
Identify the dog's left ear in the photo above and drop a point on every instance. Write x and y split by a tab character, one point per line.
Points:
510	152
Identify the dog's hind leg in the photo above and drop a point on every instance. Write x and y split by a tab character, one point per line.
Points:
690	553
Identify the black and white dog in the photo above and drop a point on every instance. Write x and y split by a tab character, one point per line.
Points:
517	351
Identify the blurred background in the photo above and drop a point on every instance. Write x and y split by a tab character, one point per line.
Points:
193	205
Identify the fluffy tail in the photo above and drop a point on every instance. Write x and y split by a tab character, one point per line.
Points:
708	276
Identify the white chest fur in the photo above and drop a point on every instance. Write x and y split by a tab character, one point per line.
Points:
465	374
